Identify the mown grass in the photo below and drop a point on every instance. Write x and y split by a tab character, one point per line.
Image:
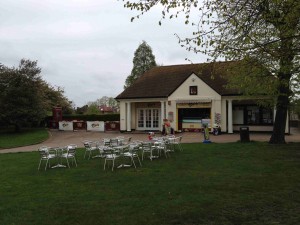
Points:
236	183
10	139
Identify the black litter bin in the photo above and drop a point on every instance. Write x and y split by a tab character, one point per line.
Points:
244	134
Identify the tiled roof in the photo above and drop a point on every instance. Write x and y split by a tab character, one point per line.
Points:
162	81
104	108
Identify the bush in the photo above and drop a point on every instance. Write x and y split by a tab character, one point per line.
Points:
79	117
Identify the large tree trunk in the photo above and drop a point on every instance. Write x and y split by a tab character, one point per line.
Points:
278	135
284	76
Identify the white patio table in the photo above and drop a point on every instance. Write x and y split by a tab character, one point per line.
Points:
121	149
59	152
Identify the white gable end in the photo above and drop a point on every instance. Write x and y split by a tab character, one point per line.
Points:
194	83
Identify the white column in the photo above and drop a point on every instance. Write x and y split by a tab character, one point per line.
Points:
287	128
223	115
213	113
162	113
128	119
230	128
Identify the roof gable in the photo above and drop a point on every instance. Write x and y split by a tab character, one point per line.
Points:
162	81
183	91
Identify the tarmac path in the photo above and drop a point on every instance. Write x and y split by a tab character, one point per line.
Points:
63	138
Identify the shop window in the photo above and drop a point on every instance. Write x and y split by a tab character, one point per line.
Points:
267	116
252	115
238	115
193	90
259	115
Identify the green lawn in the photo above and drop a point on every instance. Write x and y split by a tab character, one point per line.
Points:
9	139
252	183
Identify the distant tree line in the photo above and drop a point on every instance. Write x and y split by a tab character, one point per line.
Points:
94	107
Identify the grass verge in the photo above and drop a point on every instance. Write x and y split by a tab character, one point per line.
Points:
234	183
9	139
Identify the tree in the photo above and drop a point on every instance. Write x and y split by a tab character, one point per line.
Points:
114	104
94	107
54	96
256	31
25	98
143	60
82	110
102	101
21	94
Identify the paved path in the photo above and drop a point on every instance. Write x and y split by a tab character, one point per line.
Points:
63	138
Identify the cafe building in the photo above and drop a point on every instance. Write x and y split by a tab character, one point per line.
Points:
190	96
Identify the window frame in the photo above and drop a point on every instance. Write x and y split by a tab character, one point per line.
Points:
194	90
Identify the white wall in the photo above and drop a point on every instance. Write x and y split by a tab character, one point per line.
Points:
238	116
205	93
122	115
133	115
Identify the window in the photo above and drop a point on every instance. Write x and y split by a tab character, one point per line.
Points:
148	117
193	90
141	118
267	116
252	115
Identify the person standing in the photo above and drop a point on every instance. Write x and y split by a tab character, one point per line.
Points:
167	126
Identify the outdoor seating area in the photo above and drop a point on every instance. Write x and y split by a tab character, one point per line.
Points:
115	152
120	152
203	184
58	155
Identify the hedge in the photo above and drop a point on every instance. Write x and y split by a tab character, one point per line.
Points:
80	117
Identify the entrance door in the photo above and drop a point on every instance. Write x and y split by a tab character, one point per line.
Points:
148	119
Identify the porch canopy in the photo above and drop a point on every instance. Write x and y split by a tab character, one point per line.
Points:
196	101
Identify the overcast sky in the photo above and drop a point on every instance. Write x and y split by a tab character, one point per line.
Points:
86	46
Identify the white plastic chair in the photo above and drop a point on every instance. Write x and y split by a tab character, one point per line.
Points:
177	142
110	155
126	141
147	148
106	141
132	153
70	153
162	147
89	148
46	154
114	142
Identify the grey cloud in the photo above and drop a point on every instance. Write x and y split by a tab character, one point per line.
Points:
87	46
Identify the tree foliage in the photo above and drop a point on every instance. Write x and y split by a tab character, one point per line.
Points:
54	96
107	101
143	60
265	32
25	98
93	107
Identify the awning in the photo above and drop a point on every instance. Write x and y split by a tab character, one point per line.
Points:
196	101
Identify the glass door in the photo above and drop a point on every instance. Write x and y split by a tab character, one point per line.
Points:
148	119
140	119
155	118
